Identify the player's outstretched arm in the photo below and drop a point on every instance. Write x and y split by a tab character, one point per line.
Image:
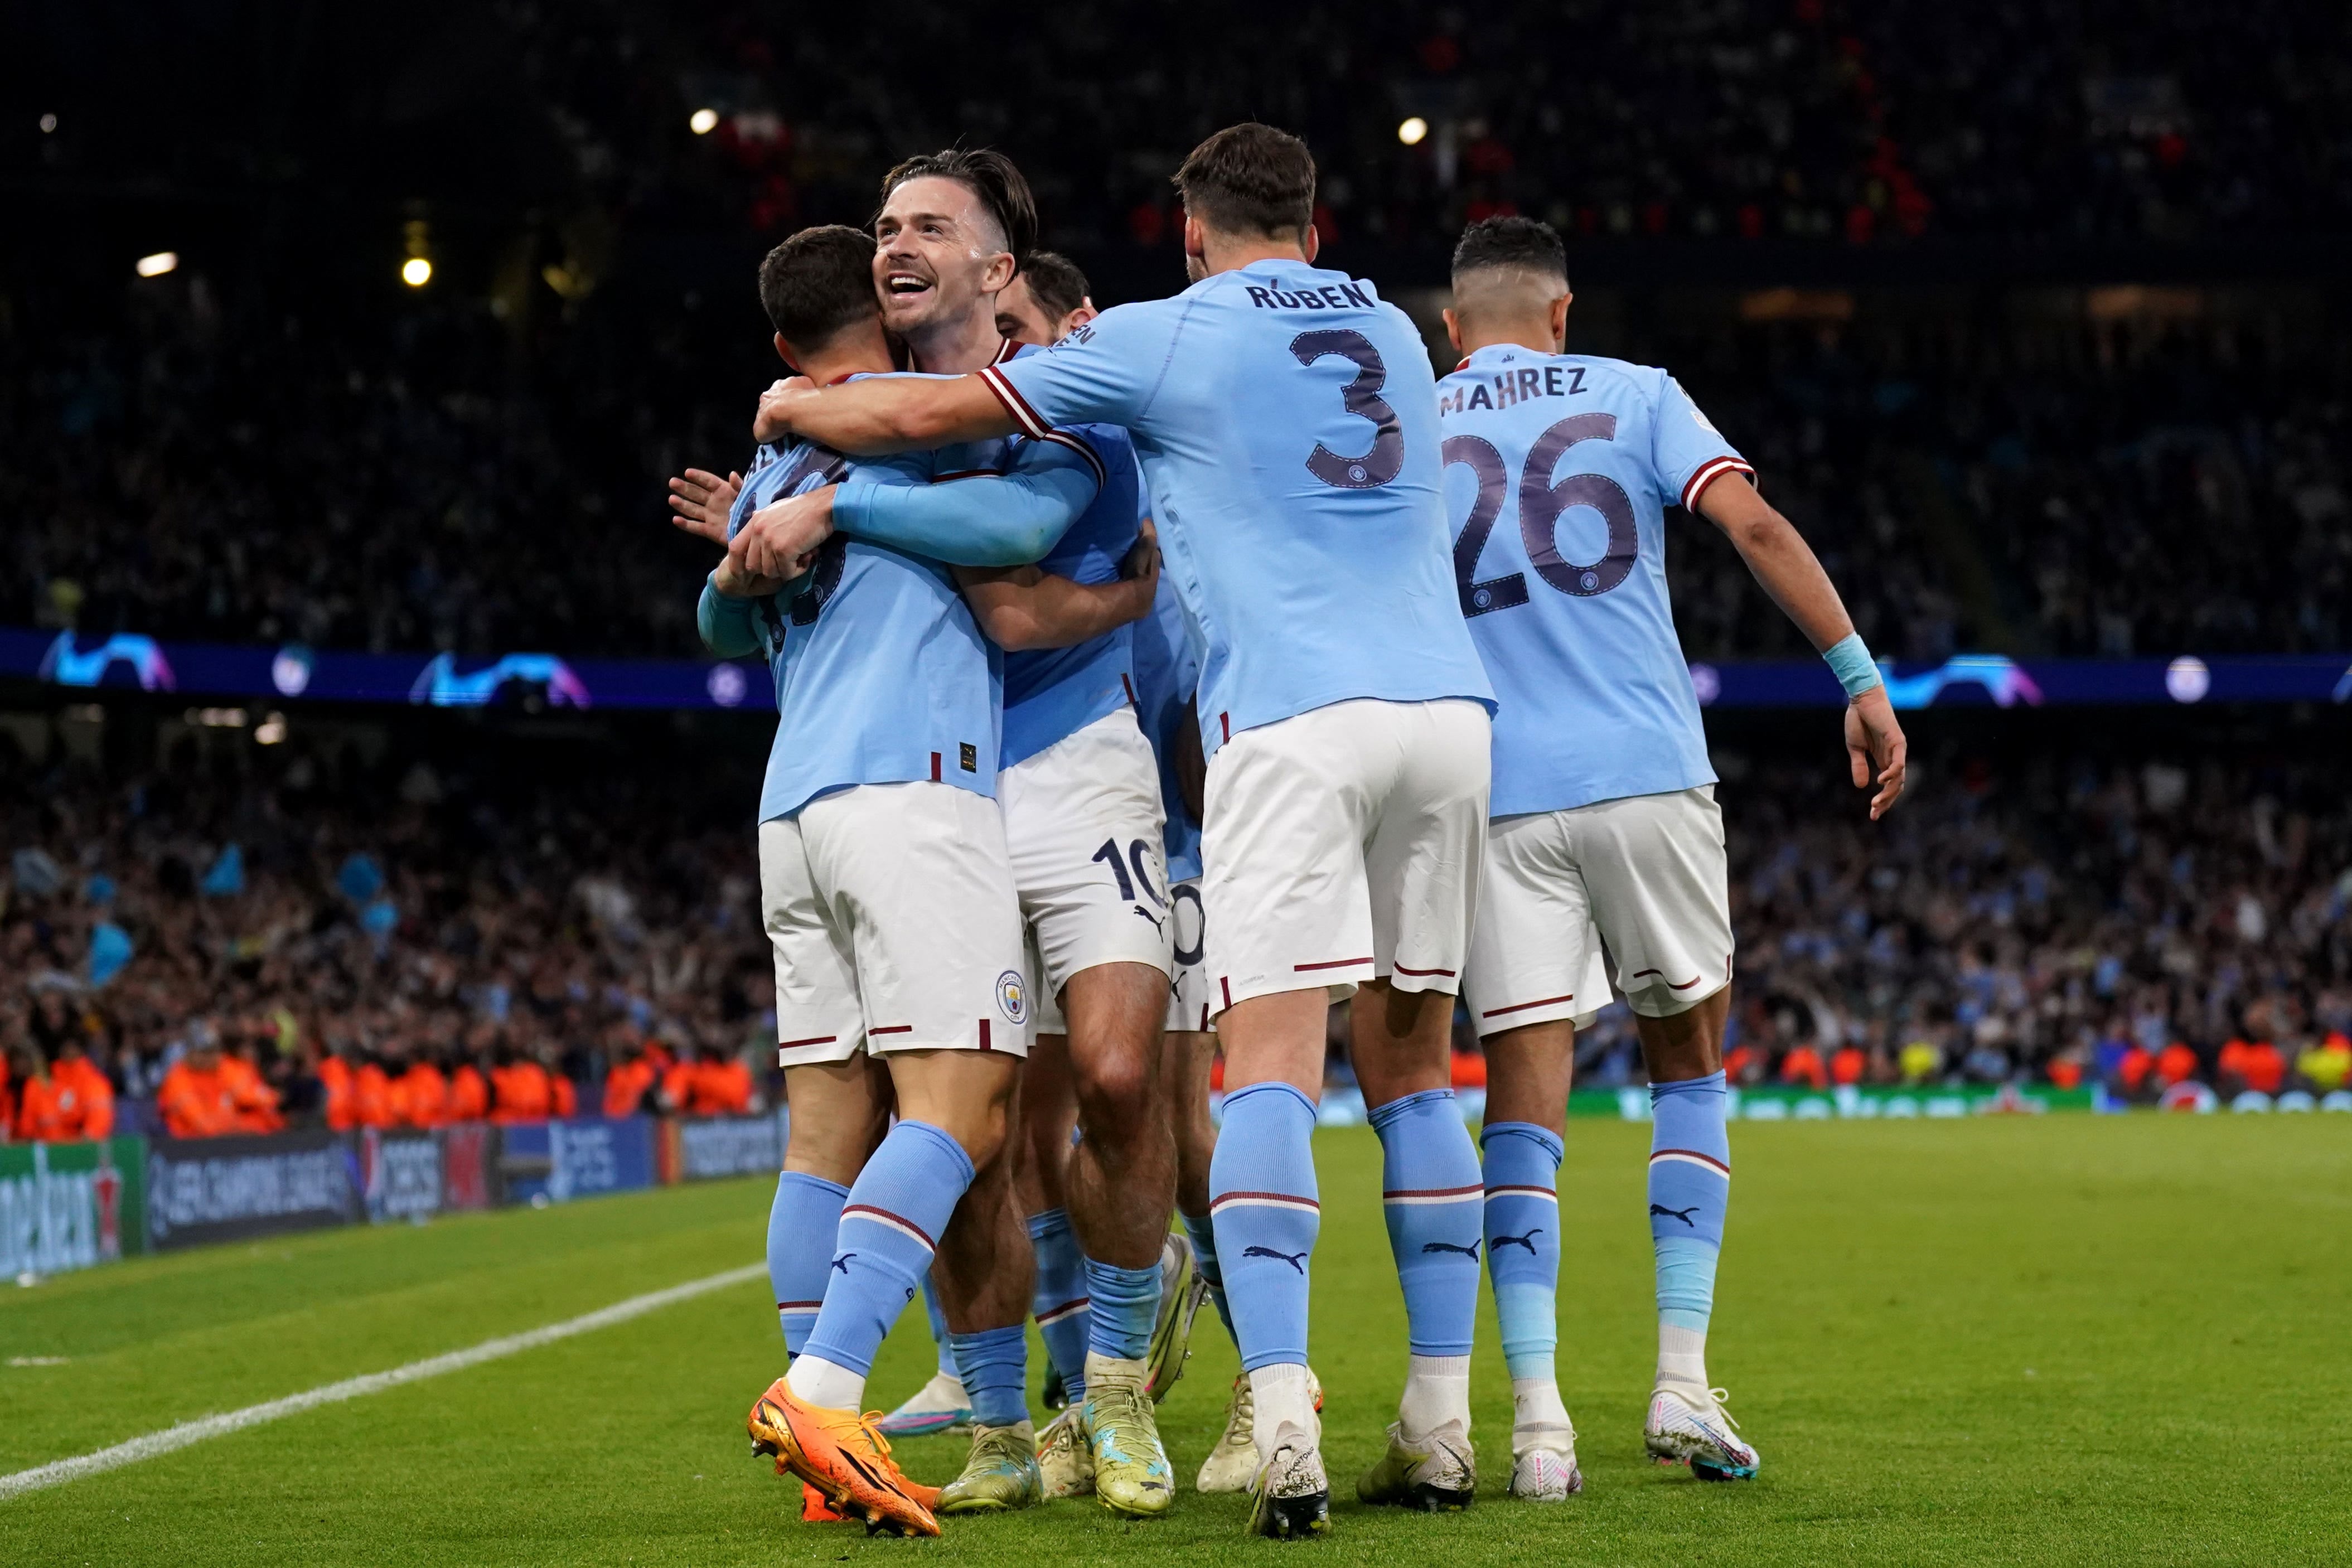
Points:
1023	607
887	414
1789	572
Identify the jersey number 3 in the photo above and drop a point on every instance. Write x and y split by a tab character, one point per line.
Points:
1362	397
1540	504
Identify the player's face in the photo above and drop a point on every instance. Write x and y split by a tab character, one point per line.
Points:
1019	316
936	256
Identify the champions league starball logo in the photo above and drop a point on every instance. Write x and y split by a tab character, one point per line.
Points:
1012	996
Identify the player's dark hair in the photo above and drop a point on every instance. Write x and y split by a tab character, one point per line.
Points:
988	174
1521	244
819	282
1055	282
1251	181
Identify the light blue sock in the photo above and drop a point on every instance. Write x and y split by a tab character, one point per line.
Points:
1431	1192
1124	1304
941	1333
1690	1186
1203	1232
890	1228
995	1366
1064	1316
1264	1201
802	1224
1523	1241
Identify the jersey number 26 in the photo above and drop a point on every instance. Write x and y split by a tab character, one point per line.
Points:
1540	504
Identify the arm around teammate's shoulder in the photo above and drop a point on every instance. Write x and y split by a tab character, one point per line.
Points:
882	414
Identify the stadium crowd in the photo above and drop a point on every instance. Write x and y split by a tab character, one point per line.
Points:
238	955
315	941
409	483
1824	120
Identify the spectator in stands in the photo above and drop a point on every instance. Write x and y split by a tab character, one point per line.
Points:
469	1093
520	1090
204	1096
71	1102
421	1094
632	1077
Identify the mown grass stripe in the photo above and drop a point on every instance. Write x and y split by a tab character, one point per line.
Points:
186	1433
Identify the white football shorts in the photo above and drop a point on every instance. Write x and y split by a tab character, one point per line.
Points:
1343	845
1083	822
1634	889
892	917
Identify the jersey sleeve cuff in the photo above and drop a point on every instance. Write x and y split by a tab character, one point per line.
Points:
1035	429
1708	472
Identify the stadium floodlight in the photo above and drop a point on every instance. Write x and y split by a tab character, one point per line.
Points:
48	124
1412	131
703	121
158	264
416	272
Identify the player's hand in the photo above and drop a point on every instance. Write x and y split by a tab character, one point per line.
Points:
779	539
700	502
1141	567
735	585
773	422
1875	749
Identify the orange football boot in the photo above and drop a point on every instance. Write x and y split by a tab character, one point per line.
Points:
814	1509
843	1458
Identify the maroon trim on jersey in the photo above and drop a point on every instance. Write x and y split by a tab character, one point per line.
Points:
1708	474
1011	347
1130	688
968	474
984	1035
935	767
1332	963
1670	984
893	1029
1225	985
1226	723
1400	969
811	1040
1076	444
1014	404
1523	1007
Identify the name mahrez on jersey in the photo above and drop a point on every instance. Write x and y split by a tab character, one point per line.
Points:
1514	387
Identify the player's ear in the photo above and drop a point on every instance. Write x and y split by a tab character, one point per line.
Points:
999	275
1196	237
1310	240
786	352
1560	323
1454	329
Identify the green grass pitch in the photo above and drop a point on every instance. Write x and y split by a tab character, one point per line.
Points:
2018	1340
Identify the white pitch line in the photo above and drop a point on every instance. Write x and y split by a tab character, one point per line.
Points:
59	1471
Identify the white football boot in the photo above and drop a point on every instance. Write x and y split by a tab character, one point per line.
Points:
1437	1472
1688	1426
1543	1462
1232	1464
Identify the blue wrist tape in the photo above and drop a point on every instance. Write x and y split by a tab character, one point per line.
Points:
1849	661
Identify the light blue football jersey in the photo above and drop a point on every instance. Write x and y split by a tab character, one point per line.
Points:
1053	693
1285	419
1559	469
882	675
1165	675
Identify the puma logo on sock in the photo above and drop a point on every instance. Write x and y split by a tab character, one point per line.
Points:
1528	1241
842	1262
1296	1259
1470	1252
1682	1214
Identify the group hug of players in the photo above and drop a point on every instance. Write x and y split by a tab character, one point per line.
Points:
1147	681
